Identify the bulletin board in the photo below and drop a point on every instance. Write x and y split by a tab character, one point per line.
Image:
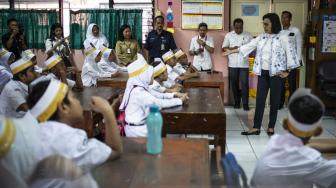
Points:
328	34
196	11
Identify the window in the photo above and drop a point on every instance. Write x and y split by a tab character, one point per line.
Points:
147	14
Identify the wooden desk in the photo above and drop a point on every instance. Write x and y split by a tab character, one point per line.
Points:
183	163
204	114
91	118
204	80
215	79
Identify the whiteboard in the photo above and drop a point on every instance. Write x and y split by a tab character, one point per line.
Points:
196	11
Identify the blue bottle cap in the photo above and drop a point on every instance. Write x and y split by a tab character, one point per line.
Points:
154	108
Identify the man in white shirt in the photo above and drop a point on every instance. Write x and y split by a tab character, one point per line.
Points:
238	65
295	33
287	162
201	47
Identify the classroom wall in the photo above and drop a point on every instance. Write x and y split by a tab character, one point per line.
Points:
183	37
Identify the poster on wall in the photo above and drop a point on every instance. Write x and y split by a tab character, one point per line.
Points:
196	11
328	34
249	10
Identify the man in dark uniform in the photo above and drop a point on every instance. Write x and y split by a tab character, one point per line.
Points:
159	41
14	40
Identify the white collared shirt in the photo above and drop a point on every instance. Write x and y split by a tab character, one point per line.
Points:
156	86
61	139
232	39
298	40
172	75
202	61
5	77
12	96
178	68
288	163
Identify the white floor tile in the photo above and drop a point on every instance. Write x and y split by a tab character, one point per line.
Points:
240	148
237	140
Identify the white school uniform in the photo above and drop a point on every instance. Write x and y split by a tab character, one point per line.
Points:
12	96
91	72
61	139
4	57
288	163
156	86
202	61
232	39
104	64
21	159
136	101
172	75
5	77
178	68
97	42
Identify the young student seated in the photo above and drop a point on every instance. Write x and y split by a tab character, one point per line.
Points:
13	96
183	65
5	77
90	71
107	62
55	69
64	174
28	54
137	99
6	58
160	76
287	162
57	110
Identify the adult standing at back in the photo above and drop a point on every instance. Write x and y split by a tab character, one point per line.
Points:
286	18
14	40
94	37
238	65
201	47
159	41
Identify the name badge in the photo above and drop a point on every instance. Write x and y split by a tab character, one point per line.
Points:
128	50
162	46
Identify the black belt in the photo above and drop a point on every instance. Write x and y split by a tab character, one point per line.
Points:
132	124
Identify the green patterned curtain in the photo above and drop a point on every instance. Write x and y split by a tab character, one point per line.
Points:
109	22
36	24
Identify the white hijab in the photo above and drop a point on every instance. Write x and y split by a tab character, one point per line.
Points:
98	42
90	63
142	80
4	60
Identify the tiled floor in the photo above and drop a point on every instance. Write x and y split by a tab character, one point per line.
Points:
247	149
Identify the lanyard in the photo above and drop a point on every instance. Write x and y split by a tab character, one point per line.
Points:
205	39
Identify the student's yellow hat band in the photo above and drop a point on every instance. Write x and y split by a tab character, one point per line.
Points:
139	71
103	50
20	65
49	101
7	137
159	69
53	62
179	54
89	52
300	129
166	58
3	52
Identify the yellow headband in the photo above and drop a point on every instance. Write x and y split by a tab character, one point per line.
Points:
7	138
49	101
179	54
20	65
88	52
159	69
139	71
165	59
302	134
52	61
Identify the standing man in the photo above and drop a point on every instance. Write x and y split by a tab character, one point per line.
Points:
14	40
159	41
201	47
238	65
286	18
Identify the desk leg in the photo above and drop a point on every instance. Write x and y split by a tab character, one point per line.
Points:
221	89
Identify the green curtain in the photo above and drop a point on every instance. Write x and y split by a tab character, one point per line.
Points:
109	22
36	24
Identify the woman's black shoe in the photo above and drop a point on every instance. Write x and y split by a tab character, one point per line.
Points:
250	133
270	133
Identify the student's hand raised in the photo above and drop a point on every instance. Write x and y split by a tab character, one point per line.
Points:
100	105
184	98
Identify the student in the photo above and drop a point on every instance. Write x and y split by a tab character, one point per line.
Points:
57	110
13	96
183	64
94	38
64	174
160	76
107	62
28	54
90	71
19	146
287	162
126	47
137	99
5	77
201	47
6	58
55	69
238	65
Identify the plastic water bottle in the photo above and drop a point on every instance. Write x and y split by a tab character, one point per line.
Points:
154	126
